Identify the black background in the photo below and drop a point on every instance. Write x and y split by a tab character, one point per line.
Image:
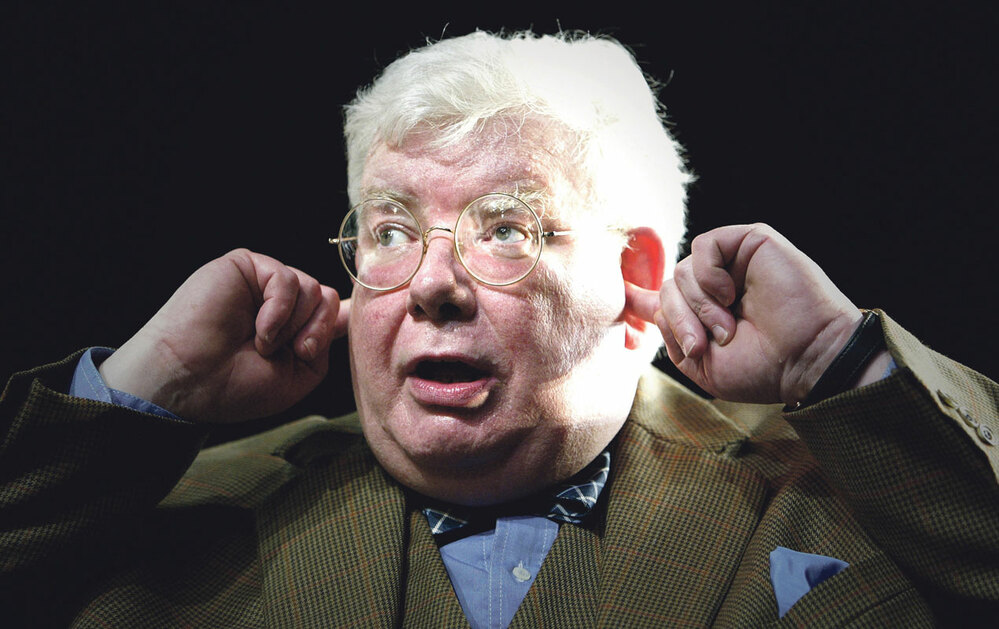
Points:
142	139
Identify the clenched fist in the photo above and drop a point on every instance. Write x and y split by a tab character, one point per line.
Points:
748	317
244	337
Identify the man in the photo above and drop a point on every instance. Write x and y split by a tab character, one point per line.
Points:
516	204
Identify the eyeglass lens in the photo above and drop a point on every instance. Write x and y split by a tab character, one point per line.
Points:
497	238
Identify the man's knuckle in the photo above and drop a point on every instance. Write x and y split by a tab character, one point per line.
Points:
763	230
312	288
683	270
285	275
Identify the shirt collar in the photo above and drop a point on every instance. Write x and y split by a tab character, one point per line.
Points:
569	502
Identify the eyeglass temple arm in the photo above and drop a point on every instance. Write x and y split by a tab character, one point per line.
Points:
551	234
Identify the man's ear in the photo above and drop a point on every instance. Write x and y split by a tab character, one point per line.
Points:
643	263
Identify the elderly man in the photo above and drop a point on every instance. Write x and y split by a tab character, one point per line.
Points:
514	459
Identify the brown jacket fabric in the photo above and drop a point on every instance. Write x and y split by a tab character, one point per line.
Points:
112	518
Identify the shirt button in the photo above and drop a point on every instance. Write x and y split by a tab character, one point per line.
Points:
521	573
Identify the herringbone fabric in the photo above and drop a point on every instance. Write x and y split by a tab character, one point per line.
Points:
300	527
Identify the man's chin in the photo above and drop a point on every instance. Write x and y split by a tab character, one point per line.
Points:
452	458
465	473
477	486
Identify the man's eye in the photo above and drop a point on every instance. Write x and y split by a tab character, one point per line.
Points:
391	236
508	233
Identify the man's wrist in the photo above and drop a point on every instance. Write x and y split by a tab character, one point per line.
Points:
136	370
863	359
88	383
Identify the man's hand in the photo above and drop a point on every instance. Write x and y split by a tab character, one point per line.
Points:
748	317
244	337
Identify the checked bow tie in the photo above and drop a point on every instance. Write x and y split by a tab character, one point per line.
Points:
569	502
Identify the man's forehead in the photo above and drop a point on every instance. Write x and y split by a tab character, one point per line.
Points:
419	172
414	169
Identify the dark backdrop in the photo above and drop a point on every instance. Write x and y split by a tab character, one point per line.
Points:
142	139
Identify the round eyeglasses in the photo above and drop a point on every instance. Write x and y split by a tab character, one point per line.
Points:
498	238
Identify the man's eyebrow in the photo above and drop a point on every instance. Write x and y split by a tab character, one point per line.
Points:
531	192
540	200
387	193
529	195
537	196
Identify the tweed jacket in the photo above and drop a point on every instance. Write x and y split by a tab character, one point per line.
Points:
112	518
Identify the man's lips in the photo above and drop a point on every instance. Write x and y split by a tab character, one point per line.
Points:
450	381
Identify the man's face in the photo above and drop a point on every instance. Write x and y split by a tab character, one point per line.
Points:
478	394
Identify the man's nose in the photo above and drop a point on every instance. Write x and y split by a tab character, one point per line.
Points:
441	289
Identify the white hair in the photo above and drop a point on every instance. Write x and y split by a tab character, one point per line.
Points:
591	86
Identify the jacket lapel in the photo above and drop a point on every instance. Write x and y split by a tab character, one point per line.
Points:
430	599
565	594
321	566
680	511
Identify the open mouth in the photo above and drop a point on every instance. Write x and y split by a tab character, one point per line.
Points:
448	371
450	382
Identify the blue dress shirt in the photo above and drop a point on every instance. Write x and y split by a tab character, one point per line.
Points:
492	571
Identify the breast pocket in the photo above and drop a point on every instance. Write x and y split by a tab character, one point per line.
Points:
870	593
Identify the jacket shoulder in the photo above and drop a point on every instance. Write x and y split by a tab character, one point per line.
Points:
245	472
756	436
672	412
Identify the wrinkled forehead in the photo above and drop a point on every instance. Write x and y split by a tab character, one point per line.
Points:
526	158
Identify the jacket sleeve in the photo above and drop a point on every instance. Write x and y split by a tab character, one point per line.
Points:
75	474
916	456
